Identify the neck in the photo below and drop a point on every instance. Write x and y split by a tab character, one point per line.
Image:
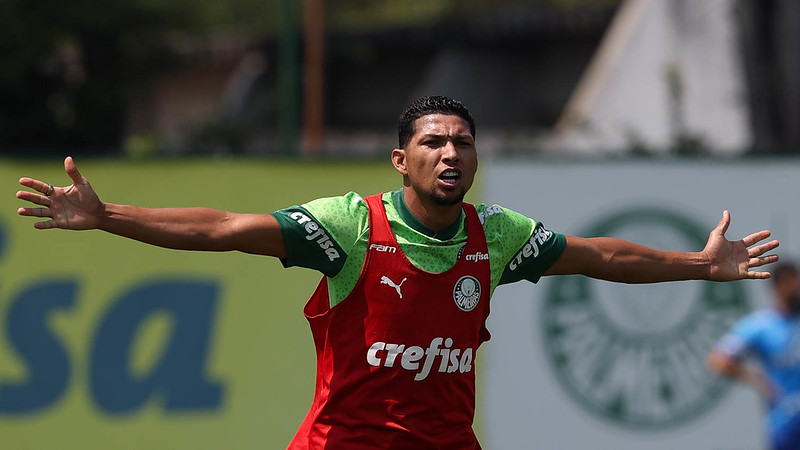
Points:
434	216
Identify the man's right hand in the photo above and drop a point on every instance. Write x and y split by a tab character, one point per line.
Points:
75	207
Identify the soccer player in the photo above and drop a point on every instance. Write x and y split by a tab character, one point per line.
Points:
770	338
401	309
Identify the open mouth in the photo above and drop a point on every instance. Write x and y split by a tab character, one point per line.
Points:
450	176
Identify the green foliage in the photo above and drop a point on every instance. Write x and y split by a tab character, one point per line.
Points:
69	68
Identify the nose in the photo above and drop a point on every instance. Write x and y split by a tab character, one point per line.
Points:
449	151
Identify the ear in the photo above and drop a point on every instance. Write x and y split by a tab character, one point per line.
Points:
399	160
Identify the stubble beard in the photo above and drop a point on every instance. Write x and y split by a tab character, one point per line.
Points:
441	199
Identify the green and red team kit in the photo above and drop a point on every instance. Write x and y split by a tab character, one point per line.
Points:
400	312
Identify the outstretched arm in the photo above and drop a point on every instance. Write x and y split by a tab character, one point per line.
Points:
622	261
732	367
77	207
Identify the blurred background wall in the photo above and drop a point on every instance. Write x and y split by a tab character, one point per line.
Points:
208	103
581	363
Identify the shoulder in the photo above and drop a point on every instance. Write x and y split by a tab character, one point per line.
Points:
350	204
753	324
522	246
341	214
747	334
321	233
760	317
345	211
499	219
512	228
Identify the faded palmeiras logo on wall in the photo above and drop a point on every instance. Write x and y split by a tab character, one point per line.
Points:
467	292
635	354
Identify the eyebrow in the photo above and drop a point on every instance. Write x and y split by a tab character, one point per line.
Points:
441	136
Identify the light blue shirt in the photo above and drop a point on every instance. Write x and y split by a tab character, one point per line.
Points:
772	339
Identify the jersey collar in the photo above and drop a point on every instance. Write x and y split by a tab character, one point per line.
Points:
411	220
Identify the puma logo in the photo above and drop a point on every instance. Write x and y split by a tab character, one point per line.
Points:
387	280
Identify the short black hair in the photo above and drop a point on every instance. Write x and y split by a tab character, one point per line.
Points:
435	104
782	270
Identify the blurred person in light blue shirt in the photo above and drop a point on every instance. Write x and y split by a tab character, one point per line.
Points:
763	350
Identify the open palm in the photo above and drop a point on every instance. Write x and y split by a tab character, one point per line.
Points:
732	260
75	207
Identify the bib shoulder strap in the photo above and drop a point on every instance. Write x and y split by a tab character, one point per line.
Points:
379	229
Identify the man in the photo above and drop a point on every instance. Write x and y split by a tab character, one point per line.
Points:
771	337
402	307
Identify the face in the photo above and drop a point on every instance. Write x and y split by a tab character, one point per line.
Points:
788	289
440	160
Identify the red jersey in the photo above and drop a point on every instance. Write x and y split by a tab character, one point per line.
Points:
395	359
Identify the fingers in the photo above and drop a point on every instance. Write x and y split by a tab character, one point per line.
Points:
33	198
762	260
45	225
756	260
36	199
723	224
39	186
756	237
763	248
39	212
44	188
757	275
72	170
35	212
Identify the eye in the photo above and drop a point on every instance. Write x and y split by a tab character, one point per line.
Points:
464	143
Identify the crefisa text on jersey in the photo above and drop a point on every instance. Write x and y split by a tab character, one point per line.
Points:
531	249
477	256
316	232
452	359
